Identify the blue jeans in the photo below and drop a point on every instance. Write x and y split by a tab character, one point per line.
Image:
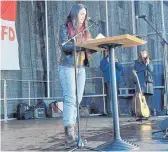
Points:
67	80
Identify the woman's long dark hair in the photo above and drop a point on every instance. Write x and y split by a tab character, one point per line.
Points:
73	16
72	19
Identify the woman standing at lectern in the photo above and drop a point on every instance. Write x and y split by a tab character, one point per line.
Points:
75	23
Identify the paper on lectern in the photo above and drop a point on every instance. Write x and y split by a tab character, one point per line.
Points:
100	36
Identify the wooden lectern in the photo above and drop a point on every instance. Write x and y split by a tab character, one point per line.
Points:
127	41
111	43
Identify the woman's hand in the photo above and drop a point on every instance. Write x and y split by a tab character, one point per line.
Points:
89	54
108	58
147	61
116	60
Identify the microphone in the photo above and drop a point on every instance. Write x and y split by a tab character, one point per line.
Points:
141	16
91	21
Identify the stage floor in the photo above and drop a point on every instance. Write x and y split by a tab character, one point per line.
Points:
48	134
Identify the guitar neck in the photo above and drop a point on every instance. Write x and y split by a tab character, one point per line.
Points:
139	87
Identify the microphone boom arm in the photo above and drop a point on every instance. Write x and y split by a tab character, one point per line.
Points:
156	31
73	38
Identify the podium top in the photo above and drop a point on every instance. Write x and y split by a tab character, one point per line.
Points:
127	41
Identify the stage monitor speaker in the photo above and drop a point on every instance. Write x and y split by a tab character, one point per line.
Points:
164	124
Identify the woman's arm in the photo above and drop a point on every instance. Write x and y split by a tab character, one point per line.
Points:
150	67
63	37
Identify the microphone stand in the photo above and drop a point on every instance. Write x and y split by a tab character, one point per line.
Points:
80	143
164	43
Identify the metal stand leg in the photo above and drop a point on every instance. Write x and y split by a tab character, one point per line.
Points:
117	143
157	131
80	143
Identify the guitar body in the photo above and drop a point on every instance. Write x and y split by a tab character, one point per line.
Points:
141	107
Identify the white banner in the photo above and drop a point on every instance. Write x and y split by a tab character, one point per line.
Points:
9	46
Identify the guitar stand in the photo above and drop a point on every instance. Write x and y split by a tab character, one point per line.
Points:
141	119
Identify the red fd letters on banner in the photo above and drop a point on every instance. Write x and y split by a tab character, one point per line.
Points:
7	33
9	44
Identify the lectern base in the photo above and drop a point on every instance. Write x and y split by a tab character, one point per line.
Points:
118	145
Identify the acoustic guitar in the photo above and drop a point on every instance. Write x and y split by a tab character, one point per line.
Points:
141	107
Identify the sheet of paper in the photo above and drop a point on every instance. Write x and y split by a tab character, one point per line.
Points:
100	36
